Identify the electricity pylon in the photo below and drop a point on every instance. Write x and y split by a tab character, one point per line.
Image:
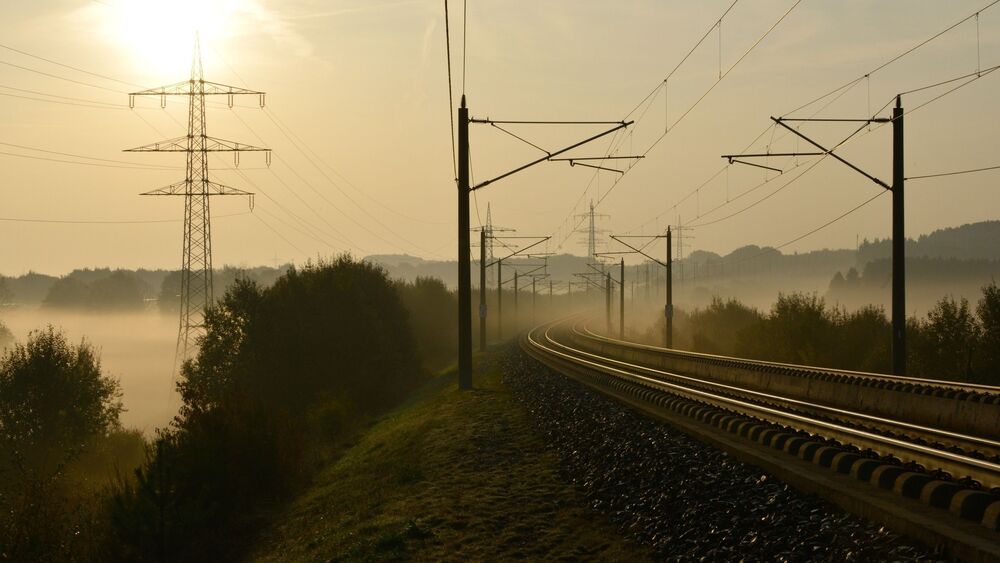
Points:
197	189
592	230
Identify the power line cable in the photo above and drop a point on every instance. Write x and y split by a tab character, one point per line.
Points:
107	222
817	229
847	87
953	173
57	77
318	158
71	67
339	189
151	166
279	235
451	101
61	161
899	56
670	128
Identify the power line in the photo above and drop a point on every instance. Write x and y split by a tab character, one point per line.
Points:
339	189
279	235
977	74
61	161
305	151
819	228
309	226
71	67
344	179
465	34
151	166
106	222
845	88
899	56
57	77
954	173
451	100
83	102
691	108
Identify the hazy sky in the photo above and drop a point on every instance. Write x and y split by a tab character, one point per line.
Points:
366	165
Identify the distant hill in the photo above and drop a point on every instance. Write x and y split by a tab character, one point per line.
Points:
972	241
108	289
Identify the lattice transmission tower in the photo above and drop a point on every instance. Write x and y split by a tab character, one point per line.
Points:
197	189
490	229
592	231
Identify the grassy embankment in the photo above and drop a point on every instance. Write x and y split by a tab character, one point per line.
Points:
448	475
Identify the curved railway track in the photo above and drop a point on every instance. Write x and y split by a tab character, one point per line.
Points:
933	441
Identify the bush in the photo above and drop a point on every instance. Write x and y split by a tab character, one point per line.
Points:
60	437
6	336
431	309
988	311
720	327
280	372
53	398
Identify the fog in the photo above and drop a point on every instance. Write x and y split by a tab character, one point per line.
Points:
136	348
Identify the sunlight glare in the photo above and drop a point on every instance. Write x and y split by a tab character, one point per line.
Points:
159	35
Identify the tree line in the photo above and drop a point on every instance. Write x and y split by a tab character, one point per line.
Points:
957	340
284	375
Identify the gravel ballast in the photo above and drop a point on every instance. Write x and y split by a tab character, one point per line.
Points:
683	498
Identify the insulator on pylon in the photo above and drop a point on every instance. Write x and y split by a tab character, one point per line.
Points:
267	158
163	101
230	101
131	101
251	202
262	100
236	159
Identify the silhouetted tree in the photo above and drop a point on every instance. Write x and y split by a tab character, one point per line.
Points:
68	293
719	328
988	311
430	305
119	291
798	330
6	295
948	341
53	397
864	339
6	336
280	371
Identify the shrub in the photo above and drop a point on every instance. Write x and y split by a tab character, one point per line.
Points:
53	398
59	418
279	372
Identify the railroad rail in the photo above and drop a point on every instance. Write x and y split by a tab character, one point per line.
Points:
932	441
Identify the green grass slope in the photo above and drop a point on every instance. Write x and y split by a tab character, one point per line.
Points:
451	475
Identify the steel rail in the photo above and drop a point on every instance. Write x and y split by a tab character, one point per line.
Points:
985	472
959	438
752	364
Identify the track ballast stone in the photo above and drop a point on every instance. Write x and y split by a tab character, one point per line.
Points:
686	500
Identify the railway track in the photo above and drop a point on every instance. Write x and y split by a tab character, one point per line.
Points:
937	443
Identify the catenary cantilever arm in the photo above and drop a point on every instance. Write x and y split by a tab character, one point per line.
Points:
621	125
830	152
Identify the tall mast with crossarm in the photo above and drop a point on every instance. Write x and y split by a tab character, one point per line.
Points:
197	190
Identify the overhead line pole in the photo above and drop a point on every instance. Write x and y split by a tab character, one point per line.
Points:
464	243
464	283
898	244
621	300
499	264
482	290
668	309
898	354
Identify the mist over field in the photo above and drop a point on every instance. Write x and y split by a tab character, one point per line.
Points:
137	348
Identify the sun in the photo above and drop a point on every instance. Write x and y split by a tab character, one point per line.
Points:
159	35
